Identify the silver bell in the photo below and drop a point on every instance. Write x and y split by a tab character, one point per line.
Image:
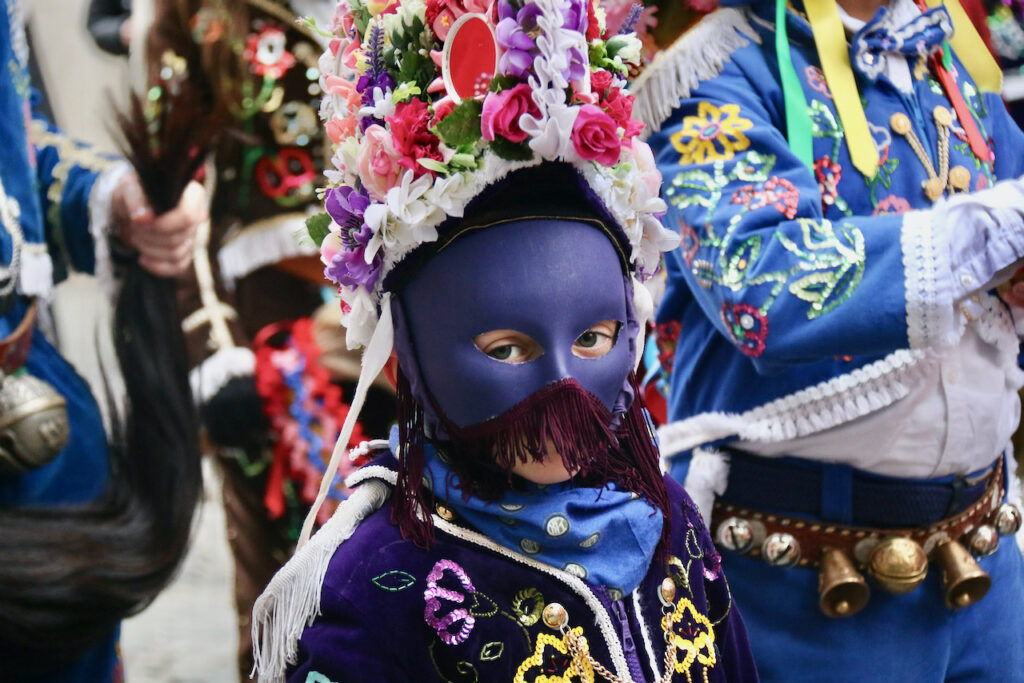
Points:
735	534
33	423
1007	519
781	550
984	540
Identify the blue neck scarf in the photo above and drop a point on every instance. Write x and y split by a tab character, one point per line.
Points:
604	536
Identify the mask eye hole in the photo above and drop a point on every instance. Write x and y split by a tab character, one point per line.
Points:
598	340
508	346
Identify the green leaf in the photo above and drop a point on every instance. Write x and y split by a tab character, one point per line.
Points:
511	151
462	125
434	165
501	82
318	227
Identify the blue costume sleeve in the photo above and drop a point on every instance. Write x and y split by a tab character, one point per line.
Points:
66	173
775	277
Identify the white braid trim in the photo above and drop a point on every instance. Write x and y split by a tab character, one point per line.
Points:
707	477
291	601
699	55
804	412
927	282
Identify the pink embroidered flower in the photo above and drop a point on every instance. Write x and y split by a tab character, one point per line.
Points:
777	192
594	136
502	111
816	79
892	205
377	163
412	138
828	174
747	326
435	592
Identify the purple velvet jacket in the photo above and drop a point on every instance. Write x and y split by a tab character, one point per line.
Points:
469	610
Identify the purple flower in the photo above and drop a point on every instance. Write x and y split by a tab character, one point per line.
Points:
517	30
348	266
367	82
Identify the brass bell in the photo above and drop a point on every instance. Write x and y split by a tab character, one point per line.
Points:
1007	519
33	423
735	534
984	540
898	564
842	591
781	550
963	581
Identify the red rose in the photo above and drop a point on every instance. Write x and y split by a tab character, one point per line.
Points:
594	136
502	111
600	81
412	139
620	107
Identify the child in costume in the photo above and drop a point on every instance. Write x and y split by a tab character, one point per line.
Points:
849	197
516	526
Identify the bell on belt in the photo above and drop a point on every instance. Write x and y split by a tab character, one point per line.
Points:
33	423
963	581
735	534
1007	519
842	590
984	541
898	564
781	550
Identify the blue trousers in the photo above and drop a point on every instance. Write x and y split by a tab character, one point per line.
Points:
913	637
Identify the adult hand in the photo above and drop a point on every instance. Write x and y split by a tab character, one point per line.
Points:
164	242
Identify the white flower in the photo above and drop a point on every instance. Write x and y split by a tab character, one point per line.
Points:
551	136
624	48
382	107
358	315
408	10
452	193
406	219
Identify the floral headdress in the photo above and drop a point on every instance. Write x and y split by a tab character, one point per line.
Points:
430	102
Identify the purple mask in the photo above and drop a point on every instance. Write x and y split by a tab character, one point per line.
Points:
551	279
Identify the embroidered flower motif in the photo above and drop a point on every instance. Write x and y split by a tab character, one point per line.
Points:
458	618
747	326
828	174
816	80
266	52
552	663
528	604
701	136
775	191
891	205
693	637
666	337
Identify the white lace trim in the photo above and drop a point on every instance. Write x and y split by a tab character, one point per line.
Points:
804	412
263	243
995	325
706	478
100	223
927	282
699	55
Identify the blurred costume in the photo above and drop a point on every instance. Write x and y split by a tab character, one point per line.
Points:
105	21
477	194
839	356
54	204
271	408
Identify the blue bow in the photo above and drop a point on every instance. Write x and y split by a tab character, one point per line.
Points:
917	38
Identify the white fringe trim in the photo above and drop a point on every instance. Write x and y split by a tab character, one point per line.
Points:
807	411
212	374
291	600
263	243
707	477
100	223
36	276
699	55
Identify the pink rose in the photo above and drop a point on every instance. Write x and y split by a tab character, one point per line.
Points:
600	81
619	106
594	136
502	111
377	163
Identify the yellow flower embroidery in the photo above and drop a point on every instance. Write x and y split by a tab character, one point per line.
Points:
701	136
552	663
696	642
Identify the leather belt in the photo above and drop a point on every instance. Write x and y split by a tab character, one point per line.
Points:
857	541
14	349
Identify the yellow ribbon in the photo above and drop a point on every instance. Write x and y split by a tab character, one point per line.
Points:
971	49
834	54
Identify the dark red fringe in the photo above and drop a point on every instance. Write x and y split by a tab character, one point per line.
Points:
563	415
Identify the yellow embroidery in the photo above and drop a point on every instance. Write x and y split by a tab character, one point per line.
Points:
697	644
549	667
70	155
701	135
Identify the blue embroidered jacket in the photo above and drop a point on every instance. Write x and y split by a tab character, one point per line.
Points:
47	181
801	298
